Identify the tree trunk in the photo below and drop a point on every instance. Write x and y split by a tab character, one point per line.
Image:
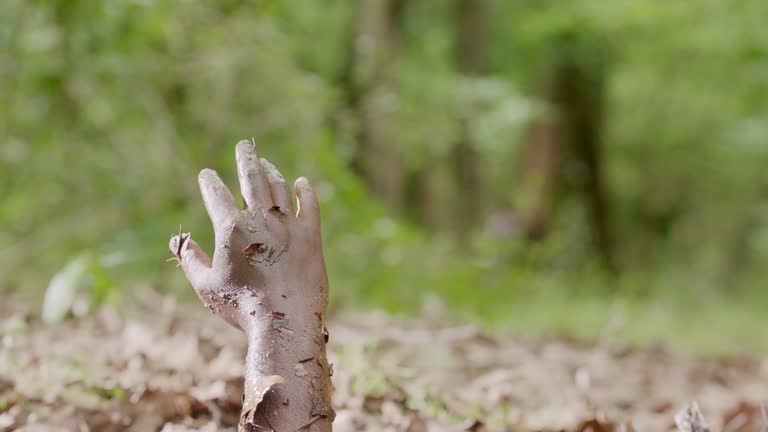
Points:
369	80
427	194
538	184
471	59
575	93
582	102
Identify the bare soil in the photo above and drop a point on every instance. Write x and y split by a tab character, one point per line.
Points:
168	366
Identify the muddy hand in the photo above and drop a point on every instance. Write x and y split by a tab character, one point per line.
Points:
263	245
267	278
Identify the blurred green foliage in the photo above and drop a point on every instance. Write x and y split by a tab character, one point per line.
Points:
109	109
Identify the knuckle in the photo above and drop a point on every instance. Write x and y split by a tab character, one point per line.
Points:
251	171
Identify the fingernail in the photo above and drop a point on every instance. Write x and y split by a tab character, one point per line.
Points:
246	144
207	172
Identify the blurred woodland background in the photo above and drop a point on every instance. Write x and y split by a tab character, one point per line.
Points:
577	167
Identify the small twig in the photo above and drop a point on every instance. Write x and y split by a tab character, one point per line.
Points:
181	242
177	254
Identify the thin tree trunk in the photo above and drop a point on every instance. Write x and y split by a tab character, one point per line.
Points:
574	133
472	60
583	110
538	186
369	79
428	197
542	160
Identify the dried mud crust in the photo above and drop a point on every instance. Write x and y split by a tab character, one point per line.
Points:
172	367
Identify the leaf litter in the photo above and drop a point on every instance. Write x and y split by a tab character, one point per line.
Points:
171	367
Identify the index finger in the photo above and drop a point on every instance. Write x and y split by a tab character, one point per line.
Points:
217	198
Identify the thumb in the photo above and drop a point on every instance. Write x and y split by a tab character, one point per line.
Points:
194	261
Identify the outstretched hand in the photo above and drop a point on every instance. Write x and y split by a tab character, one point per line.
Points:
267	278
265	253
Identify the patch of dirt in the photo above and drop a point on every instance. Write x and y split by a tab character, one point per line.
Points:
168	367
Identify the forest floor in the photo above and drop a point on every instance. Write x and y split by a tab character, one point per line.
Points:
169	366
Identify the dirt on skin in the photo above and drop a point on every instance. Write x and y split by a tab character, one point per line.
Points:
166	366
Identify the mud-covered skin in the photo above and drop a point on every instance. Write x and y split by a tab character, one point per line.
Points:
268	278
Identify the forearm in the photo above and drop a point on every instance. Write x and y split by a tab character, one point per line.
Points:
287	374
